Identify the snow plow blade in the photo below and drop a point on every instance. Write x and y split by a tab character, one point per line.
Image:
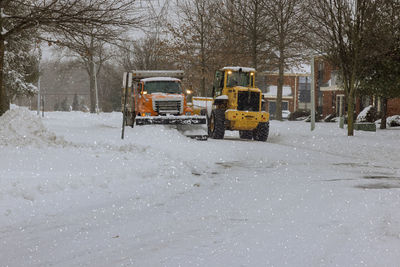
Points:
191	126
175	120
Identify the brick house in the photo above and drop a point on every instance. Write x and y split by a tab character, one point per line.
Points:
393	107
295	93
330	97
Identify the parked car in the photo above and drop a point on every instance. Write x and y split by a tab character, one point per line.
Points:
285	114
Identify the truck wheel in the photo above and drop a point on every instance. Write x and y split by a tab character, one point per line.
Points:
261	132
246	134
217	124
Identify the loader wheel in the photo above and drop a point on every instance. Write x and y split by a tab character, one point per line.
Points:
216	126
261	132
246	134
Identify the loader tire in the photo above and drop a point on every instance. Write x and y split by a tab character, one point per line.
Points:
261	132
246	134
217	124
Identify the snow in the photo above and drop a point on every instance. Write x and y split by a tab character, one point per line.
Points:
362	116
202	101
222	97
236	68
159	79
393	121
72	193
301	69
140	74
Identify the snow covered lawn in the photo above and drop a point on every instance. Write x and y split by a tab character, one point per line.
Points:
72	193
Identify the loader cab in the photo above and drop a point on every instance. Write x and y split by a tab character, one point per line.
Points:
239	77
219	81
230	77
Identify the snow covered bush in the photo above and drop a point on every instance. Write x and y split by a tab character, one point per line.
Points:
393	121
330	118
368	114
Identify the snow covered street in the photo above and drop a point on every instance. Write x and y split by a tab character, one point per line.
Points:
72	193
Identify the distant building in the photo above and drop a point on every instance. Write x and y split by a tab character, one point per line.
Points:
295	91
330	96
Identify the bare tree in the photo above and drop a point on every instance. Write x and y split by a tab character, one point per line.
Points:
286	38
343	28
55	16
247	24
90	52
196	39
148	53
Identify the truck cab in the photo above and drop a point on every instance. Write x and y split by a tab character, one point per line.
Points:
161	96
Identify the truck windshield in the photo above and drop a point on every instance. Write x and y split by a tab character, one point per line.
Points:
238	79
167	87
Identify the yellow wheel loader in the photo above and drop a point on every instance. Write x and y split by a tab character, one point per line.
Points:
237	105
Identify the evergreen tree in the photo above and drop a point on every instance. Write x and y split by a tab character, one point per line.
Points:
382	74
64	105
21	65
75	103
57	106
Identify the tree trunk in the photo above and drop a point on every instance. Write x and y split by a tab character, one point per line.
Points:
254	51
384	113
350	113
255	39
4	102
203	56
278	112
92	93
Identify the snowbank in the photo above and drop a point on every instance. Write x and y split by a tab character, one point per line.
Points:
19	127
393	121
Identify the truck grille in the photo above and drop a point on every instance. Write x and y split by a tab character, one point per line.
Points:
168	106
248	101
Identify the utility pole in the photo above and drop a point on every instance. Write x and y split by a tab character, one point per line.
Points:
39	96
126	84
312	94
95	86
43	105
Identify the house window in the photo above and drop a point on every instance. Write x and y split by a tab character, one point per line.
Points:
272	107
304	89
320	78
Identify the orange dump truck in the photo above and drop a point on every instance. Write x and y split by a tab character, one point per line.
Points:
157	97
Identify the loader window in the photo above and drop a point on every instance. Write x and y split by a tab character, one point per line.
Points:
167	87
238	79
218	83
